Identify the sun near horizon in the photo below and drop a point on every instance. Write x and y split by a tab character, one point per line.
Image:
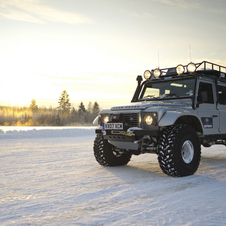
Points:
95	53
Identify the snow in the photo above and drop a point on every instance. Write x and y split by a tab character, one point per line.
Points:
38	132
50	177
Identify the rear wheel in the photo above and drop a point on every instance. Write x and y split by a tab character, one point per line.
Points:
107	155
179	151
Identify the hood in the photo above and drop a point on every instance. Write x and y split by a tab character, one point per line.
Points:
146	104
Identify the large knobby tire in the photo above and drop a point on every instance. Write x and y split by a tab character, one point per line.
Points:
179	151
107	155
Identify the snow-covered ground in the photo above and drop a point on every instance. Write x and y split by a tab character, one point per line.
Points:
50	177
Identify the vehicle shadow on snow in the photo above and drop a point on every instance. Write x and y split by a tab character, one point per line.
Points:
137	170
142	169
213	162
213	167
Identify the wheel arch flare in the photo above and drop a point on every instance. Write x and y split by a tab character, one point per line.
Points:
173	117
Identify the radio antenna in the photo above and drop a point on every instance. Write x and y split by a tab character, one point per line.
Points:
158	59
190	53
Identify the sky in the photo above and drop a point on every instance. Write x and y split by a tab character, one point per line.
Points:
94	49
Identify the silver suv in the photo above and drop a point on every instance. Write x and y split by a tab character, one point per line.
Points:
172	113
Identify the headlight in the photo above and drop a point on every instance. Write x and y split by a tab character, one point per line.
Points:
180	69
106	119
147	74
191	68
148	119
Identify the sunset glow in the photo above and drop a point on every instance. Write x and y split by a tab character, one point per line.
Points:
96	52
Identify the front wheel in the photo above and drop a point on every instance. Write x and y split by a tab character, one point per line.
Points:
179	151
107	155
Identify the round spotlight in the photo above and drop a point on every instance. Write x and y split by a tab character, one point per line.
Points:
191	67
180	69
147	74
157	73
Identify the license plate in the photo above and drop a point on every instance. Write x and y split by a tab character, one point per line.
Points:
118	126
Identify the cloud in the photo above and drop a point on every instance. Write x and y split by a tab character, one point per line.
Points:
35	12
22	16
180	3
184	4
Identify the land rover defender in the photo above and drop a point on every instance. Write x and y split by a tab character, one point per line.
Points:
172	113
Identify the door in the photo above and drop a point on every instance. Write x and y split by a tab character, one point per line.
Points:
222	106
207	106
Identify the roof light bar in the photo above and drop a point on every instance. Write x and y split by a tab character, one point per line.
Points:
180	69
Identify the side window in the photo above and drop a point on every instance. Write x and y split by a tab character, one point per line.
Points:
222	94
205	93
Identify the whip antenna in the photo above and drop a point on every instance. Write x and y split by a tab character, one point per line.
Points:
158	59
190	53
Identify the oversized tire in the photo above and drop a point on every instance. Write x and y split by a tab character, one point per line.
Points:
179	151
107	155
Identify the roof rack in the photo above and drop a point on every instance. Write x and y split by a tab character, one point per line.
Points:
203	66
210	66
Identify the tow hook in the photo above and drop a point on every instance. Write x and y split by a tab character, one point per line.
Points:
129	134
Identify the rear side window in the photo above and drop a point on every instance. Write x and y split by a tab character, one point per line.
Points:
205	93
222	94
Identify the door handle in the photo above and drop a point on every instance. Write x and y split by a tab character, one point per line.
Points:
214	116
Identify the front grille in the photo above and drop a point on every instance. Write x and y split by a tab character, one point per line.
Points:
131	119
128	119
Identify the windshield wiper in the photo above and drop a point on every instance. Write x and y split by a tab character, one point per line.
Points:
152	97
169	95
149	97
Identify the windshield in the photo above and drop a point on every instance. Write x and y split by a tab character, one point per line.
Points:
168	89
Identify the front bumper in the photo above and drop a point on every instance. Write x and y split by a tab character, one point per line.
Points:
127	140
139	133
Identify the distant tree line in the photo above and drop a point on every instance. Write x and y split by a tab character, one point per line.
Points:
63	115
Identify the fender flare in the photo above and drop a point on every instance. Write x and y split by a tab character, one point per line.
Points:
176	117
